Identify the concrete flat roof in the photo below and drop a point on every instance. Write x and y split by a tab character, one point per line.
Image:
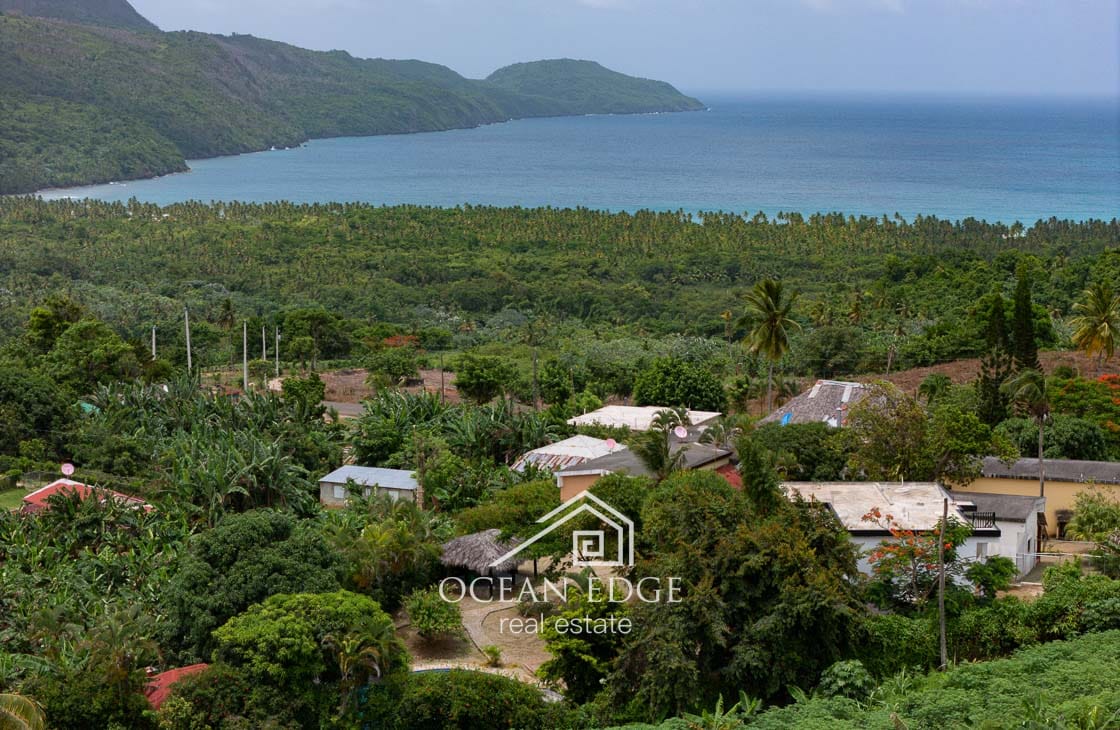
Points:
636	418
913	505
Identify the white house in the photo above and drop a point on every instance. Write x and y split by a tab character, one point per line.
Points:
1016	517
913	506
334	488
635	418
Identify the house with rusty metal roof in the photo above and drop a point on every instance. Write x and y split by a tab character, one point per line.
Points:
828	401
567	453
582	477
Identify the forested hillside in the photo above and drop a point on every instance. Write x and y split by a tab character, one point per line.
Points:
872	289
92	103
587	85
109	13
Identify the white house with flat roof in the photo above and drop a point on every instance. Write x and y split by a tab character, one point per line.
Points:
915	506
635	418
334	488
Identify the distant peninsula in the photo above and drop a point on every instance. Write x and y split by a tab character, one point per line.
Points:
92	92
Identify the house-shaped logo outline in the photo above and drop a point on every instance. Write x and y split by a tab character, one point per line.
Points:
625	531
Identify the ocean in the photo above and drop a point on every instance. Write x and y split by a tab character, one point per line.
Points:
995	159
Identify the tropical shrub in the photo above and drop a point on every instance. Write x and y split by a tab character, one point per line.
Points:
433	617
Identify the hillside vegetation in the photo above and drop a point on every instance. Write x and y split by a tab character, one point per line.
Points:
869	286
109	13
587	86
93	103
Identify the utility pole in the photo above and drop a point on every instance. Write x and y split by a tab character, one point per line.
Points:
187	324
264	345
277	353
941	583
441	376
153	342
536	383
245	357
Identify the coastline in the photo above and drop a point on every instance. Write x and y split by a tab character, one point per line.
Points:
304	142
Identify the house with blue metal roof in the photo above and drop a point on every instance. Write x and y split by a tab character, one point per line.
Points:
336	487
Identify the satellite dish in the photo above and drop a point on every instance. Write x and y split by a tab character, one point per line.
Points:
611	443
67	469
680	432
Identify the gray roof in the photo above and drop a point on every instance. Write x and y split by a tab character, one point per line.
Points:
369	476
626	461
1008	507
827	401
1059	470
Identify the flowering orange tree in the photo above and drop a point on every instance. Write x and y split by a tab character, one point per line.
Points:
906	563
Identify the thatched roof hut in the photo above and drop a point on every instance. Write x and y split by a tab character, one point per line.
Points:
477	551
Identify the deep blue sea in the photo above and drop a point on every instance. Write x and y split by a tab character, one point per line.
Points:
1002	159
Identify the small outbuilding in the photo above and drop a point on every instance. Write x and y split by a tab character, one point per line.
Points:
335	488
476	552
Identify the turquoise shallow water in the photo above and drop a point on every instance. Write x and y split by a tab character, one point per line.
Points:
1003	159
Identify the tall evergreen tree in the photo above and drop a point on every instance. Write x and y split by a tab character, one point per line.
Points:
996	366
996	334
1022	326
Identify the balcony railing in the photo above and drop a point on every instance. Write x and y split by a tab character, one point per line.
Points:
981	520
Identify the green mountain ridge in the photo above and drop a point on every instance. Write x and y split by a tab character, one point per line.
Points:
109	13
92	102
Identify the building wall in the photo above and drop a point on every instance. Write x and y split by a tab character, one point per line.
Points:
571	486
1019	543
974	547
1059	495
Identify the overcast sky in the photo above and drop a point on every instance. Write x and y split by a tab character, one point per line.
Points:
985	46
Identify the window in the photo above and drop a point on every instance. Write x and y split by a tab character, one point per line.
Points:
981	549
339	491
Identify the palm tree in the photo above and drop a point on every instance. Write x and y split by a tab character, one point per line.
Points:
20	713
934	386
1097	325
1028	391
655	446
768	316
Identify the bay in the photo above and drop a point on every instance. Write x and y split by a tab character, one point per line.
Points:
995	159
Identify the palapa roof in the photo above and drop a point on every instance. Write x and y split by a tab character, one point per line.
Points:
566	453
1058	470
477	551
827	401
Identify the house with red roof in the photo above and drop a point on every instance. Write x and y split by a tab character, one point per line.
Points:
38	500
159	685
